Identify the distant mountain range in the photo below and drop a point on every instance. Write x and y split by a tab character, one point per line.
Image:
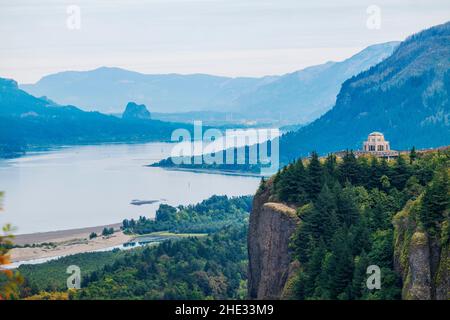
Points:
27	121
297	97
406	96
304	95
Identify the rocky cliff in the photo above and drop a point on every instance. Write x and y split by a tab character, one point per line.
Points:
421	258
270	263
136	111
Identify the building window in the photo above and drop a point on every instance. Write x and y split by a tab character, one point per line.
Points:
380	148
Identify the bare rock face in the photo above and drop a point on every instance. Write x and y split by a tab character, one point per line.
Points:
443	275
270	259
423	261
418	286
135	111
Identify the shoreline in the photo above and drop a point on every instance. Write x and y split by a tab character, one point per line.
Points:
47	236
210	171
65	242
46	148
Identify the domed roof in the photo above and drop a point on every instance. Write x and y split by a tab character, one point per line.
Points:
376	133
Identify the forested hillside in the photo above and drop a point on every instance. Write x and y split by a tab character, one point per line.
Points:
300	96
209	267
350	212
27	122
208	216
406	97
214	267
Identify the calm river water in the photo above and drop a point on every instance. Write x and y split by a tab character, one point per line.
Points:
83	186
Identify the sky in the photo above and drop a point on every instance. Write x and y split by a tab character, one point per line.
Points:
221	37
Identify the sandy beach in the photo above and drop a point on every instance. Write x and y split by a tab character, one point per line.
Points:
65	242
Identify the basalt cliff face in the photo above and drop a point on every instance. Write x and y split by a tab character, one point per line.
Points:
270	259
421	258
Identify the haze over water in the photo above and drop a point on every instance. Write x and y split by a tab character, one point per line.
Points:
84	186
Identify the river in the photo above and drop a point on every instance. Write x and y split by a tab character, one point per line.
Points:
82	186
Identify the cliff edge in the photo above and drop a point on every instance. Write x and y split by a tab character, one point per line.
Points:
421	258
270	262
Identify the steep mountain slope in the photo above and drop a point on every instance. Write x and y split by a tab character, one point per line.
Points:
318	229
306	94
406	96
296	97
135	111
30	121
108	89
17	103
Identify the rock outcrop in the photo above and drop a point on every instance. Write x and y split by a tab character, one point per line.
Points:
270	259
421	259
136	111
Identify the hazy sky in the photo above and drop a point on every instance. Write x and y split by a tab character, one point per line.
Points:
224	37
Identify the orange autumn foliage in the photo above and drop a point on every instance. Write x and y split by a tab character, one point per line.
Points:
9	289
44	295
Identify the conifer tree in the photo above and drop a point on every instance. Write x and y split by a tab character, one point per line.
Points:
330	167
412	155
313	268
347	211
290	184
374	174
341	264
359	276
436	201
349	169
323	219
385	169
363	171
315	176
401	173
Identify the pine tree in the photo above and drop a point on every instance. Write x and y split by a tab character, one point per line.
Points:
401	173
349	169
384	168
315	176
341	264
262	185
330	167
374	174
381	210
323	220
363	171
313	268
290	185
385	183
412	155
359	276
301	182
436	201
347	212
413	189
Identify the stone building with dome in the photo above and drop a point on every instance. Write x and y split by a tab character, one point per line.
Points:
375	145
378	146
